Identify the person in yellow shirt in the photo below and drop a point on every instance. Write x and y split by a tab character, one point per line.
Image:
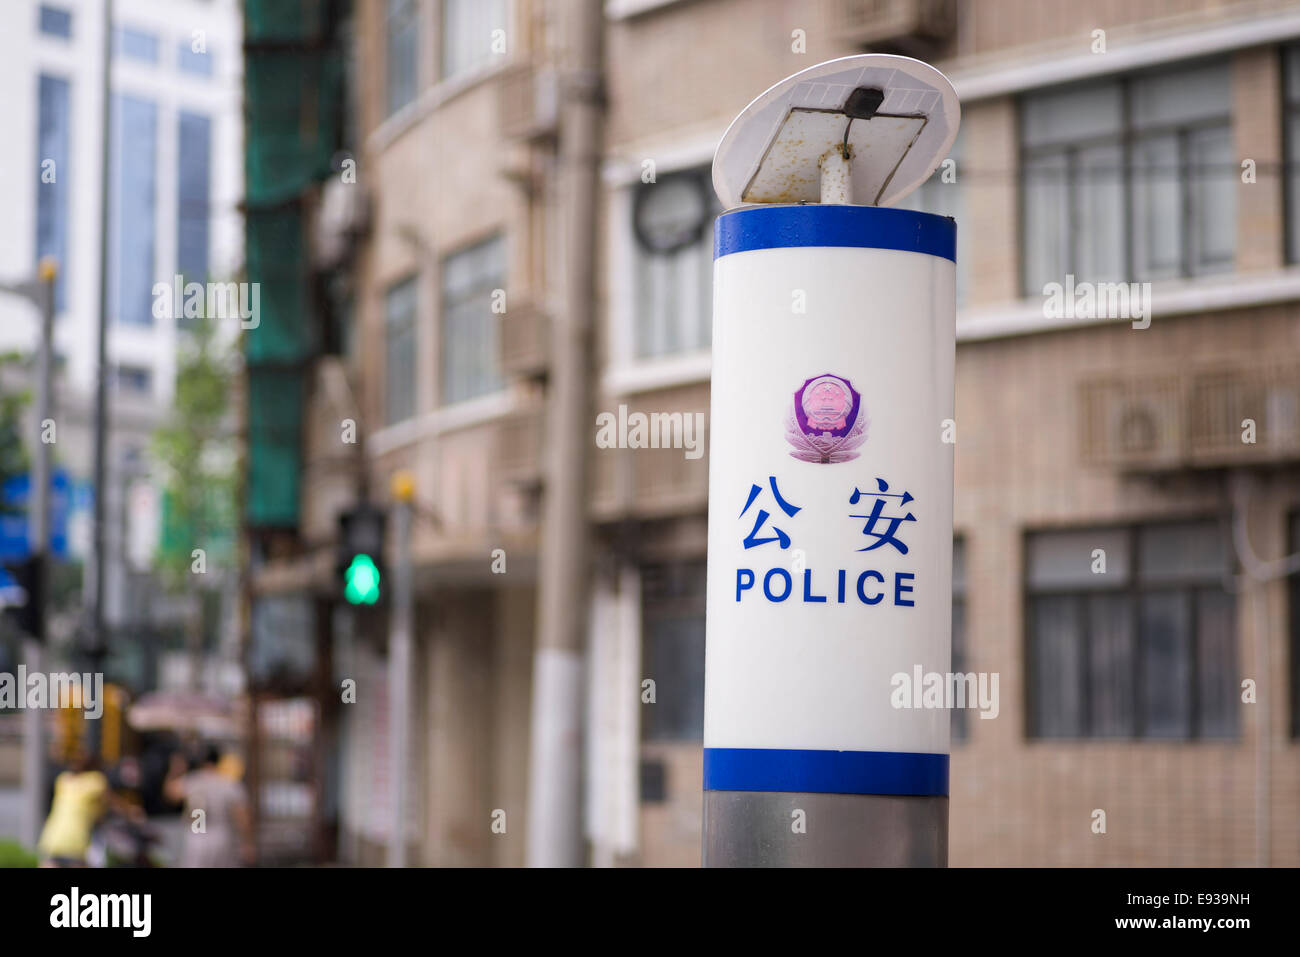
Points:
80	797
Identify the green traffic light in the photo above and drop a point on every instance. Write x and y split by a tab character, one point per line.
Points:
361	581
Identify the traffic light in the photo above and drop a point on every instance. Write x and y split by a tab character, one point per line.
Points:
360	561
22	595
361	581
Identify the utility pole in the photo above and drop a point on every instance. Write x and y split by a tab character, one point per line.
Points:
96	644
399	669
555	759
40	292
38	504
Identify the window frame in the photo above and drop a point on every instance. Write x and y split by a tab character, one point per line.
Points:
642	255
133	379
187	61
47	13
483	65
57	216
1134	589
120	221
1287	53
499	236
625	371
388	108
1128	138
188	220
673	590
122	33
413	280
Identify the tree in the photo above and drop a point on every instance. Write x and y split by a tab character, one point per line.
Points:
196	450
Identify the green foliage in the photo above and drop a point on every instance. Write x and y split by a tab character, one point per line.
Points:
197	453
13	854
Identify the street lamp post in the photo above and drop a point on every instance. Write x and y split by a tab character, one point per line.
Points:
41	292
400	658
830	476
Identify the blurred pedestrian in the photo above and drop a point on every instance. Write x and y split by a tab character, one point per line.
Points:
226	836
81	796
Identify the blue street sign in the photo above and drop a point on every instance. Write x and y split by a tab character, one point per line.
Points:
15	541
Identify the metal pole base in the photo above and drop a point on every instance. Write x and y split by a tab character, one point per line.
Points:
761	829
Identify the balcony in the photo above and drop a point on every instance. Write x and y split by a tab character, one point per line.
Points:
654	482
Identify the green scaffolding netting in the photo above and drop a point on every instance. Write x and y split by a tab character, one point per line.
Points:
286	21
293	115
294	100
277	260
275	412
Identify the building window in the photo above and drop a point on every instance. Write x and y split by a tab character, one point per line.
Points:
52	169
1129	179
196	62
402	40
1130	633
470	348
1291	99
135	45
400	311
131	274
673	264
960	648
469	34
56	22
942	194
672	610
134	379
194	150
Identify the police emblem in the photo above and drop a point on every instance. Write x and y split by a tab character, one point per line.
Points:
827	421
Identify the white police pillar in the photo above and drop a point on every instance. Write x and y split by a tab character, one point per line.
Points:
830	518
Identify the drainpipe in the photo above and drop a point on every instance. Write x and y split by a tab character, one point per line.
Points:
1257	573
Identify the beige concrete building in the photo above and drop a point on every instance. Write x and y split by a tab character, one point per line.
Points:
1126	478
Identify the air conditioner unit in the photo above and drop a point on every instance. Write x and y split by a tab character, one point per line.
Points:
913	25
1221	417
528	103
519	448
1132	423
1240	415
525	340
342	218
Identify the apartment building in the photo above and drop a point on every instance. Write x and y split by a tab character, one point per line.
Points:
1125	476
